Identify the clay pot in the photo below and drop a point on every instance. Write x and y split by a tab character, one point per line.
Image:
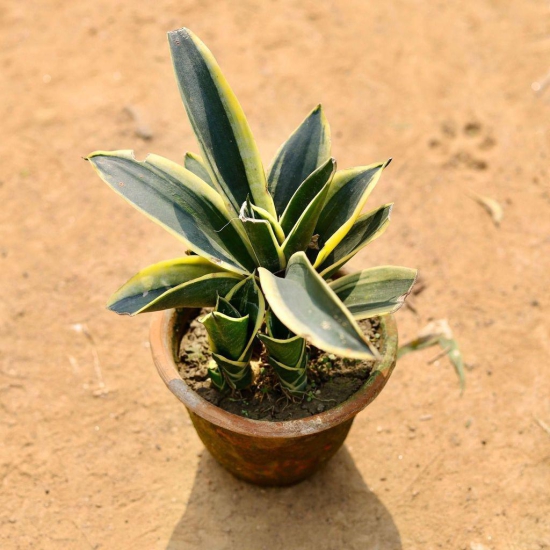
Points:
261	452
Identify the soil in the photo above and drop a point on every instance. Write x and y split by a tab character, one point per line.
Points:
94	450
331	379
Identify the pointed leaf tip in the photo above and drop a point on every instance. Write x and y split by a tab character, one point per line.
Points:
219	123
179	201
307	148
375	291
308	306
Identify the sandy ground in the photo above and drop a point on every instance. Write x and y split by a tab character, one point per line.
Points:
445	88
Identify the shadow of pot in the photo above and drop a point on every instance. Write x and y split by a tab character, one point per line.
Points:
261	452
333	510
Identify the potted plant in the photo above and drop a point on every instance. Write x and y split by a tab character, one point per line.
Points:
264	252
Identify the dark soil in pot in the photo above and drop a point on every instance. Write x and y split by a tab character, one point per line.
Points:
331	380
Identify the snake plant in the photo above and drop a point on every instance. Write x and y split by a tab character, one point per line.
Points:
262	246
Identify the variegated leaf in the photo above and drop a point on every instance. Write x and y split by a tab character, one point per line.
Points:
195	164
366	229
227	335
301	234
275	328
238	374
261	214
347	196
307	191
201	292
159	278
288	352
305	303
306	149
292	379
375	291
219	123
224	306
180	202
266	248
247	298
216	376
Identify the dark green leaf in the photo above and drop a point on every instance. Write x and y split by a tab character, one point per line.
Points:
219	123
228	336
265	246
248	300
300	236
365	229
238	374
225	307
288	352
293	379
306	193
305	303
375	291
157	279
305	150
180	202
348	193
201	292
275	328
216	376
195	164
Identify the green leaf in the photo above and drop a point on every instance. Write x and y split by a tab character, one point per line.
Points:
216	376
306	149
275	328
227	335
262	237
157	279
305	303
289	352
347	196
261	214
180	202
287	355
201	292
195	164
219	123
301	234
375	291
225	307
248	300
238	374
366	229
293	379
307	191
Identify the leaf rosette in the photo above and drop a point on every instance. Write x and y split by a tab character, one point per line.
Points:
262	246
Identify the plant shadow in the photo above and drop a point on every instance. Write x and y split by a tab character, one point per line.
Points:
333	510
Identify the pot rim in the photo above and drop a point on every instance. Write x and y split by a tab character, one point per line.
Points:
163	348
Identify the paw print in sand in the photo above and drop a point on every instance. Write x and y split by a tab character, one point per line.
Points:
463	147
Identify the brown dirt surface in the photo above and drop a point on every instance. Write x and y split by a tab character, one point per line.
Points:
96	453
331	379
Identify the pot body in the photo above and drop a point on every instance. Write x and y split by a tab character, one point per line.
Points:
262	452
270	461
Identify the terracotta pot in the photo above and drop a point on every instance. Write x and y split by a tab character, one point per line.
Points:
261	452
